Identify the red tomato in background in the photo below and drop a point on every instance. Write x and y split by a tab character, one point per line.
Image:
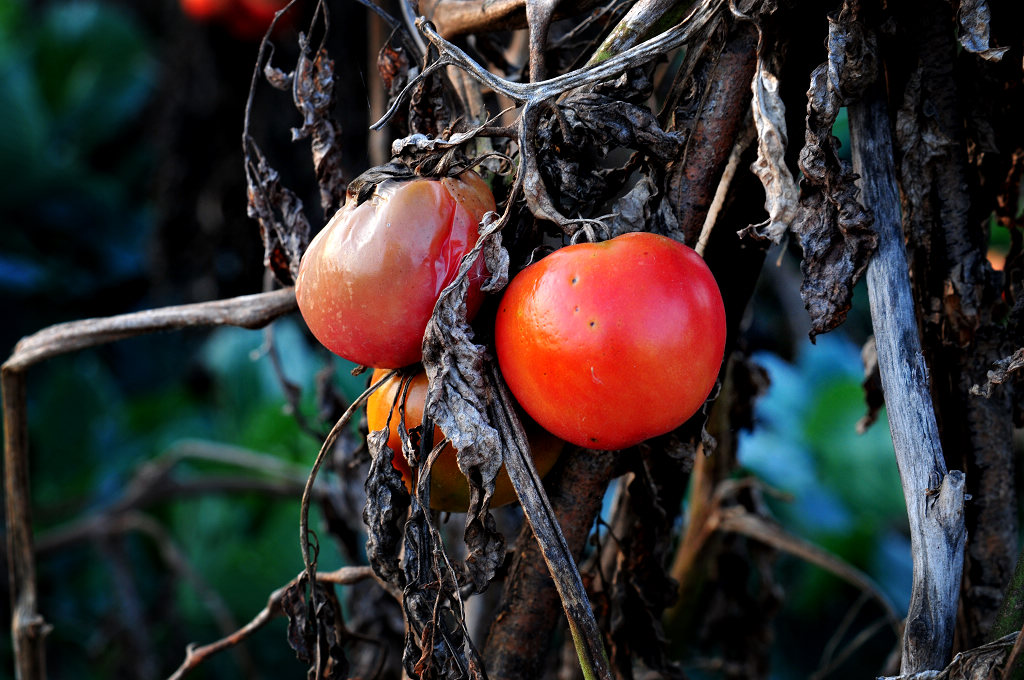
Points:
204	10
449	490
250	18
368	282
246	19
608	344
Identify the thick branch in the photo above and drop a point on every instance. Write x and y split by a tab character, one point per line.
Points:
530	605
934	498
459	17
247	311
27	626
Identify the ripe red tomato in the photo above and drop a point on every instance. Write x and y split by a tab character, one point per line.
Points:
204	10
449	490
609	344
250	18
368	282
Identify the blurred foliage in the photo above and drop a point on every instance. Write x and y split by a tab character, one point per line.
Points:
837	488
240	544
73	214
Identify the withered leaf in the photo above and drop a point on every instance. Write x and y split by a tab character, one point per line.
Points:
387	503
600	120
319	641
769	113
283	225
457	399
1001	372
833	229
313	94
975	19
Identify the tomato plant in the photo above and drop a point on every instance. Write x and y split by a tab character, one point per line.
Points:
449	489
608	344
368	282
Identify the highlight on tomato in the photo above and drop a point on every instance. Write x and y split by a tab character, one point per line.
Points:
449	490
608	344
369	280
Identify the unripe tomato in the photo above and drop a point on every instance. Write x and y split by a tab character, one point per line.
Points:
449	489
368	282
608	344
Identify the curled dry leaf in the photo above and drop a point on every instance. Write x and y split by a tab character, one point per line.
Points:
317	641
975	19
436	641
387	504
1002	371
457	399
313	94
769	113
283	225
834	230
601	121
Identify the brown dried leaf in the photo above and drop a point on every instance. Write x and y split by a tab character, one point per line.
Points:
834	230
769	113
975	19
436	643
457	400
1001	372
601	121
318	642
313	94
387	504
283	225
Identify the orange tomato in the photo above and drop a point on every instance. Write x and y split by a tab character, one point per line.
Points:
449	489
608	344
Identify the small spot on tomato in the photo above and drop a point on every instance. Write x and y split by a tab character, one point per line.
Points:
574	279
592	323
576	309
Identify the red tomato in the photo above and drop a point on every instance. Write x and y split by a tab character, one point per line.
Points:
368	282
249	19
449	490
204	10
608	344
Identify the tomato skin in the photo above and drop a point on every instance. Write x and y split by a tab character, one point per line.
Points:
449	490
608	344
369	280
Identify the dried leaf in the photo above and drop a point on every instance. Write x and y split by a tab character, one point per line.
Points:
1001	372
457	400
436	643
632	212
313	94
278	79
387	504
769	113
975	19
318	642
834	230
600	121
283	226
